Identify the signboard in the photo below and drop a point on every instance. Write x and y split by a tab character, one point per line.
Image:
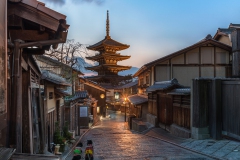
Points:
83	111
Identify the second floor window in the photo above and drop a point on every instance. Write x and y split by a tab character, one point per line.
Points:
147	79
141	81
50	95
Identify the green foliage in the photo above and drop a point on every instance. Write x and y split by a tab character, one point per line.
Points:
66	133
57	138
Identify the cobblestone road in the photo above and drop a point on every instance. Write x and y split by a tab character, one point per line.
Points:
113	141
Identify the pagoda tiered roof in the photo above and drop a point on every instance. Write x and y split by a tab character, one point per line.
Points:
116	56
107	58
108	44
103	78
109	67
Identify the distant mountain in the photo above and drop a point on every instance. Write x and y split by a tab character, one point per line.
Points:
131	71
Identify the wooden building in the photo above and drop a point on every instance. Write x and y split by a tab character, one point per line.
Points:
122	92
54	90
98	93
32	29
72	110
207	58
4	93
216	100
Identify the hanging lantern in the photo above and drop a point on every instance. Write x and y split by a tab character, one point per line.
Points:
102	96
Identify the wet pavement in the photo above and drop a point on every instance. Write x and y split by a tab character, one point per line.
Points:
112	140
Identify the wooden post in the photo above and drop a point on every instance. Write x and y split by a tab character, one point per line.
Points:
3	73
235	38
200	108
16	98
215	109
27	114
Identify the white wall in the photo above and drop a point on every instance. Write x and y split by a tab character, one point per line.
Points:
207	72
162	73
184	75
226	40
192	57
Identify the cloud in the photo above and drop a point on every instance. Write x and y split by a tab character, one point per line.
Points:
62	2
98	2
58	2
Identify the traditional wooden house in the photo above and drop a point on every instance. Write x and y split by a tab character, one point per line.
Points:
54	90
207	58
5	152
216	100
98	93
32	29
63	106
72	110
122	92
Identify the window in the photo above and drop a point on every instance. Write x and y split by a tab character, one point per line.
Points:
50	95
141	81
147	79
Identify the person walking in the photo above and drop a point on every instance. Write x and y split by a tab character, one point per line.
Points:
89	150
77	152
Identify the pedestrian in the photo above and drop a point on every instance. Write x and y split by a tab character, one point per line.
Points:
89	150
77	152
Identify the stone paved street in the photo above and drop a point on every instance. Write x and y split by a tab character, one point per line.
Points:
112	141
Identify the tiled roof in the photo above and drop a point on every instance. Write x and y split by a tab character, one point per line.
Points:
128	85
109	42
77	95
180	91
137	99
163	85
54	78
62	92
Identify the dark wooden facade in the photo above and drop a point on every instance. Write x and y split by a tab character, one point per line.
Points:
97	92
181	110
28	26
170	104
216	107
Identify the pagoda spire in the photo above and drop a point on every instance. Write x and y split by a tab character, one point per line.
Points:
107	26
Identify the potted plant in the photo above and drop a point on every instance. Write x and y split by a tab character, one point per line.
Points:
58	139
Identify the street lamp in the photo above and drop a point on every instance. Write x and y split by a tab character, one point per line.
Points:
125	101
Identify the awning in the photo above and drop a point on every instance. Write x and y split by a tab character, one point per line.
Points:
61	92
163	85
180	91
138	99
77	95
54	78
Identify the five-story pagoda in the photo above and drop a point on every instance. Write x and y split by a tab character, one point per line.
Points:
107	58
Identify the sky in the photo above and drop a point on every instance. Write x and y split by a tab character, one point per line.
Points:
152	28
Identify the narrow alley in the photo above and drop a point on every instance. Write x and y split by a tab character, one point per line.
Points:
112	140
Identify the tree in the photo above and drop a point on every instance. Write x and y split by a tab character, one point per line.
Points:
70	53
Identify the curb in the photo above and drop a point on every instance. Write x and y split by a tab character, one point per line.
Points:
175	144
79	139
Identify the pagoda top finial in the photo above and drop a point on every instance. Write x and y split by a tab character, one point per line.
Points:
107	26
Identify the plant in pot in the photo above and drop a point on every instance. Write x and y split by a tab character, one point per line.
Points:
66	134
57	138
